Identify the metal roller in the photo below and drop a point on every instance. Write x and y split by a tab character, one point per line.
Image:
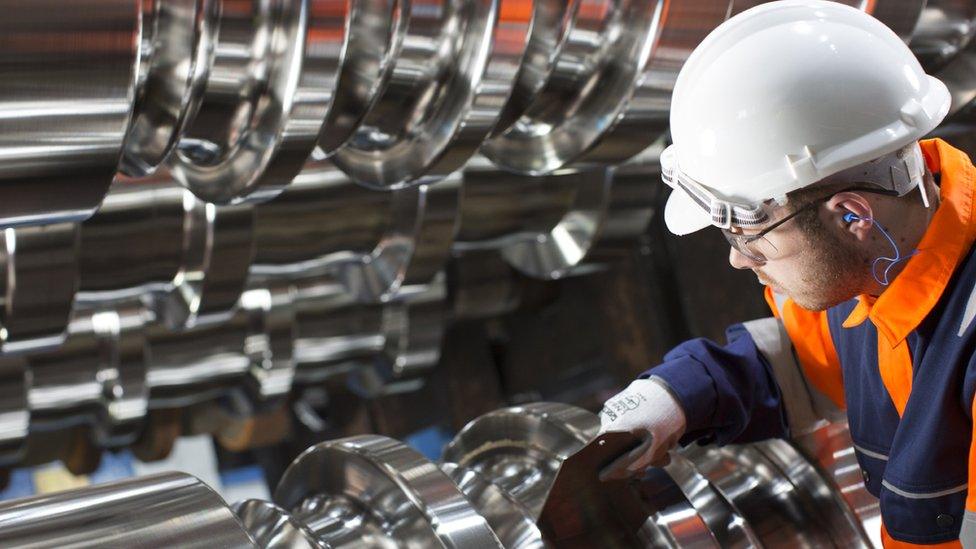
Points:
167	510
69	80
134	244
492	485
371	489
175	55
382	347
97	378
592	72
943	43
278	67
573	220
39	266
412	326
454	69
373	243
155	241
217	251
196	364
269	344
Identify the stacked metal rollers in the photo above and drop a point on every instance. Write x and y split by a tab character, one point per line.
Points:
200	196
488	490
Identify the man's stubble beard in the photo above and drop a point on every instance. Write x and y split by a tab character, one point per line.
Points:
834	271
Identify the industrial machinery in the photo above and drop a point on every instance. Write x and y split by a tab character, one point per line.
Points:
488	490
288	221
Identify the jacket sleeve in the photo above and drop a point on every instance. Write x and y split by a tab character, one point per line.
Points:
776	377
728	392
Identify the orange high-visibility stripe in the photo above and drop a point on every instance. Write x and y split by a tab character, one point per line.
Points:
895	367
889	543
810	335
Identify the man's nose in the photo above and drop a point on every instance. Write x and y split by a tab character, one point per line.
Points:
741	261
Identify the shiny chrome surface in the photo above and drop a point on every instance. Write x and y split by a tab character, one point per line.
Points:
453	71
552	226
409	500
134	244
382	347
97	377
598	64
167	510
832	450
943	42
519	449
944	29
372	242
39	279
487	492
175	56
179	374
15	379
275	69
217	251
66	94
272	527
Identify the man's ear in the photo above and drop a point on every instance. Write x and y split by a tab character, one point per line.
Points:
859	225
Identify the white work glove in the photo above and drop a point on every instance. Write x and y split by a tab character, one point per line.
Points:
647	409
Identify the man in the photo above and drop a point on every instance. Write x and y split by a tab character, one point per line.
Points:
795	127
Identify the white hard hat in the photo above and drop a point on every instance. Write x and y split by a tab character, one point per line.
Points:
782	96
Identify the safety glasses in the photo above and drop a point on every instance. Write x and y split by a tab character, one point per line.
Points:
759	249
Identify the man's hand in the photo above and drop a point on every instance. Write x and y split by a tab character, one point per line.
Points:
647	409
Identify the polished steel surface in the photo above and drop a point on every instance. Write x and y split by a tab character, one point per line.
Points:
175	56
372	242
180	375
217	251
274	528
38	281
598	63
66	92
97	377
832	450
454	69
133	244
520	449
167	510
488	491
410	500
944	44
564	223
944	29
275	70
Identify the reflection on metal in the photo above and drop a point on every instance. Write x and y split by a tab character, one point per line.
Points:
552	226
68	83
275	73
453	72
943	43
167	510
236	97
372	242
175	55
591	74
488	491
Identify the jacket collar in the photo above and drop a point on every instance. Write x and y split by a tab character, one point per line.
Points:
950	235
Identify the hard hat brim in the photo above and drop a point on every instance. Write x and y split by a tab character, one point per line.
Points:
683	215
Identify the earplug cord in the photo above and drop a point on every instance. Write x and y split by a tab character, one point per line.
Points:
851	217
